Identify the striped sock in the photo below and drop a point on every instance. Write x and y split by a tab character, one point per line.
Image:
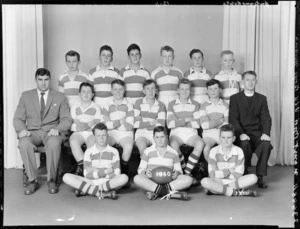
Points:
157	189
193	159
106	186
227	191
182	162
80	162
88	189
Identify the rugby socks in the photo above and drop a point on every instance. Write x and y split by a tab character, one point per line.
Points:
88	189
182	161
192	160
106	186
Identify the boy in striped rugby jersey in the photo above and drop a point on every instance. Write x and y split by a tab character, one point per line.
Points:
183	118
198	75
102	174
69	81
213	114
226	168
85	115
134	74
167	76
118	115
102	75
228	76
161	154
148	113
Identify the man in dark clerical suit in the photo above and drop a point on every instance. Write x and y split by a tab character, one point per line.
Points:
249	114
41	116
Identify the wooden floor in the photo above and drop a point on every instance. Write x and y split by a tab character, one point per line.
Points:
273	206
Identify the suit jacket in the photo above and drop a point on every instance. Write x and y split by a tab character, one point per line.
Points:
247	119
56	116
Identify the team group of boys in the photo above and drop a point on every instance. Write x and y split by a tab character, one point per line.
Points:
158	112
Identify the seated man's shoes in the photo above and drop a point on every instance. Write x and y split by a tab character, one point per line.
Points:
52	187
261	183
247	192
109	194
176	195
31	187
151	195
79	193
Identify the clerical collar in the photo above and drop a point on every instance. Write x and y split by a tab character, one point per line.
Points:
249	94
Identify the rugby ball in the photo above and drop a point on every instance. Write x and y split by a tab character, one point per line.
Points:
161	175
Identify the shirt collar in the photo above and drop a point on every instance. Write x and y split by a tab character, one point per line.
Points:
220	102
145	101
46	92
177	101
96	150
128	67
79	72
99	68
248	94
193	71
124	101
233	72
233	152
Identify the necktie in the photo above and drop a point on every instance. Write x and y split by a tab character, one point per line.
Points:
42	105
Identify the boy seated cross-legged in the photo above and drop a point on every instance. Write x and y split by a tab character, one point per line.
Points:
161	154
183	118
226	167
118	115
102	174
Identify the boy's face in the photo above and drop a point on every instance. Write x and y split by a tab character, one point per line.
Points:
213	91
101	137
117	91
197	59
226	138
42	82
160	139
150	91
105	58
86	94
249	82
184	91
167	58
72	63
227	61
134	56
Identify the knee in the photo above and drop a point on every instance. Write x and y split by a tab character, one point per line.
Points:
205	183
123	178
244	144
24	142
137	179
66	177
266	145
174	144
54	142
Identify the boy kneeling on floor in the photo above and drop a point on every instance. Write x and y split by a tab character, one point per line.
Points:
226	165
157	155
102	174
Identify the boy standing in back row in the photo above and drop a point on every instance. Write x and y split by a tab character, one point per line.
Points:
102	76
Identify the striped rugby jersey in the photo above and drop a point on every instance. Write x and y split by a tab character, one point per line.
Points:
96	162
231	83
151	159
177	112
112	114
219	164
91	113
167	82
70	87
101	79
144	114
198	80
134	81
210	114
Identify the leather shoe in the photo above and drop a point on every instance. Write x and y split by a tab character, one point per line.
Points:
52	187
31	187
261	184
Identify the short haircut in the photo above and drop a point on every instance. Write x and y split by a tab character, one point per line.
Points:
250	73
160	129
118	81
185	81
86	84
166	48
42	72
72	53
99	126
106	48
226	128
213	82
196	51
133	47
148	82
226	52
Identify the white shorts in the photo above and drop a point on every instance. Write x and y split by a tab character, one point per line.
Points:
84	134
212	133
102	101
148	134
184	133
118	135
166	99
99	181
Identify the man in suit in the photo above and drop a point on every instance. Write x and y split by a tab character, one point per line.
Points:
41	116
249	114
